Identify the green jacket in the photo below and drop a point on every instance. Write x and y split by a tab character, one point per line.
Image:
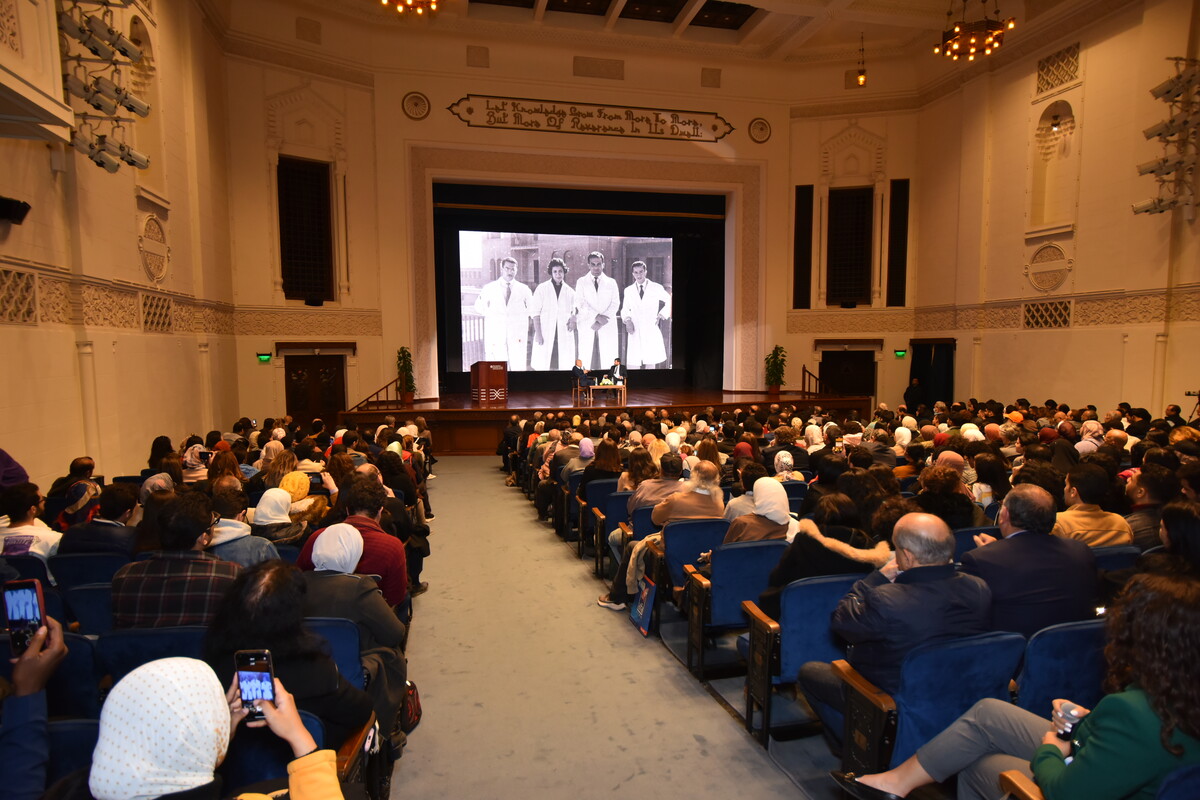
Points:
1118	753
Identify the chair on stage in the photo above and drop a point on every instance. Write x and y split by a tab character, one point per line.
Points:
578	392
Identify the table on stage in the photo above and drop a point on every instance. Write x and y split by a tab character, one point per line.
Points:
617	389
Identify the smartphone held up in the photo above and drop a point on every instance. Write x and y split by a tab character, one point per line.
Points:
256	680
23	608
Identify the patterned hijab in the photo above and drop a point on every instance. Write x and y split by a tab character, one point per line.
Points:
163	729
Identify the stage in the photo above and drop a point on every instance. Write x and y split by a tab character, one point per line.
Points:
461	426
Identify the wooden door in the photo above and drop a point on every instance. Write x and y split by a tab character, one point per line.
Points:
849	372
316	387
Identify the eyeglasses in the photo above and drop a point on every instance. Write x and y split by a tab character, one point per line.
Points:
215	519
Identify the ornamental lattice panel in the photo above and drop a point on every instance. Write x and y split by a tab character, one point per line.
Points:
1058	68
156	314
17	297
1050	314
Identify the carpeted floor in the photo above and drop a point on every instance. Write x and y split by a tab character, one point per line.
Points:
531	690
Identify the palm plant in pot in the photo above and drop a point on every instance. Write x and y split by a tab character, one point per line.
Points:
404	371
775	362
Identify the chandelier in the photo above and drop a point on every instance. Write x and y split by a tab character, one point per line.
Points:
418	7
969	39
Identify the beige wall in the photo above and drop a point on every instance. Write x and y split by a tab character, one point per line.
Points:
238	88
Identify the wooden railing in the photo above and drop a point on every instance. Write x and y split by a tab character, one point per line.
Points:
388	396
810	384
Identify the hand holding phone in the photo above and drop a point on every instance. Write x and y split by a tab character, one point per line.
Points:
46	650
23	604
283	718
256	680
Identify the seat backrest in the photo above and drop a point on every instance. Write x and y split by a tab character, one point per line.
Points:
907	483
137	480
992	511
342	635
685	540
573	492
1065	660
1116	557
598	493
30	568
76	569
941	680
739	572
91	605
805	607
964	538
616	510
122	651
71	744
641	523
288	552
795	489
794	504
1182	784
74	688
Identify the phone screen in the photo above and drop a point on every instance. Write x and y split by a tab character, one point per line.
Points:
23	610
255	679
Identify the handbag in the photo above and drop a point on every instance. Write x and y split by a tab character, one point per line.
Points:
410	709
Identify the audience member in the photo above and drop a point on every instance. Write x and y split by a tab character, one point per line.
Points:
109	531
700	497
1148	490
1085	487
231	539
26	534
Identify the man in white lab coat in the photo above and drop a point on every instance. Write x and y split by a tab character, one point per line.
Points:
646	303
597	298
505	305
553	329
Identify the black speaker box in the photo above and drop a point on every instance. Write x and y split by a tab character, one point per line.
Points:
13	210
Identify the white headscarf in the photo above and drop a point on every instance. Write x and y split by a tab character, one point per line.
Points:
672	440
903	438
269	451
273	508
163	729
910	423
339	548
770	501
813	435
278	433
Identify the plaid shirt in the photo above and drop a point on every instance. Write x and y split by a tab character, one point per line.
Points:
172	588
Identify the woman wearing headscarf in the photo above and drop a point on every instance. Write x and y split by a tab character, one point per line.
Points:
272	519
771	518
269	451
304	508
903	438
783	467
814	438
167	725
194	467
1091	436
333	590
587	451
155	483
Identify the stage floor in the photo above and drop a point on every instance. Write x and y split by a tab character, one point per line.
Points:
462	426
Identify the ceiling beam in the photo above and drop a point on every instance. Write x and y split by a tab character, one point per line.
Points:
539	10
614	13
686	16
809	29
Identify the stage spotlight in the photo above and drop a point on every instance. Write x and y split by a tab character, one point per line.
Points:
1176	124
1156	205
133	157
85	37
1167	165
1173	88
123	96
115	38
91	94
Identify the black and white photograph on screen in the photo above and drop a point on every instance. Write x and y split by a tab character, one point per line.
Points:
540	301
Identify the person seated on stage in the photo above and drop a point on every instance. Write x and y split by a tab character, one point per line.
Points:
617	372
109	530
581	374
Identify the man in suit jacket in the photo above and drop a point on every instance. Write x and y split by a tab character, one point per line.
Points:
916	598
108	531
1036	579
617	371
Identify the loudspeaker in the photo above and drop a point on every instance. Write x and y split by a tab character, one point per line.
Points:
849	305
314	300
12	210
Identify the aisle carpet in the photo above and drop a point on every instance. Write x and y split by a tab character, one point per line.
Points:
531	690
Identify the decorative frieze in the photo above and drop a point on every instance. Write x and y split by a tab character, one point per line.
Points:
110	308
307	323
17	301
54	301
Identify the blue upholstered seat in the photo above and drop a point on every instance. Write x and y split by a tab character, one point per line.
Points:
1065	660
76	569
122	651
74	688
258	755
685	540
342	635
608	518
797	489
1116	556
91	605
71	744
965	538
1182	784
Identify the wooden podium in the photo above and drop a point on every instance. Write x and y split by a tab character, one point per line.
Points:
489	382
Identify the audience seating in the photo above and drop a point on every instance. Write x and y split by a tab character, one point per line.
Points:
795	489
54	506
640	524
608	518
137	480
569	500
76	569
30	568
71	744
938	682
598	492
1182	784
965	538
794	504
1065	660
906	484
74	688
739	572
342	635
91	605
683	542
992	511
122	651
1116	557
257	755
775	650
288	552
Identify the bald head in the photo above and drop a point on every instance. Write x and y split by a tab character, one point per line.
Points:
927	540
1117	437
705	475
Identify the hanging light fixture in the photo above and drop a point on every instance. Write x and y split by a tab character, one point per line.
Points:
862	62
1054	123
979	37
410	7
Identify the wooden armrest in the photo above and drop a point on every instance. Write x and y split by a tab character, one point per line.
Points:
758	618
582	503
627	529
351	749
1019	785
656	549
600	518
872	693
690	573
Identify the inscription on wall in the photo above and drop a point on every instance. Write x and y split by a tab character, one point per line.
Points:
552	116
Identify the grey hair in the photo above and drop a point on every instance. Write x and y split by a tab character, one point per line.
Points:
926	537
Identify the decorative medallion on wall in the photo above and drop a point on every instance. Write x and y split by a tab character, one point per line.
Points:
152	245
759	130
553	116
9	33
416	106
1049	268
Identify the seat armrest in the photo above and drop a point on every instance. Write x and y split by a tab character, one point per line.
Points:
690	573
627	529
758	617
857	683
656	549
1019	785
600	518
352	752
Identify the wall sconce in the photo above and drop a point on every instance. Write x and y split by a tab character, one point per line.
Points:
1054	124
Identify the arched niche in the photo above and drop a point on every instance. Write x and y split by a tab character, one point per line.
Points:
1054	193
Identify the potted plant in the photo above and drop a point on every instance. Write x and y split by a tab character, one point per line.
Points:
404	371
775	362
